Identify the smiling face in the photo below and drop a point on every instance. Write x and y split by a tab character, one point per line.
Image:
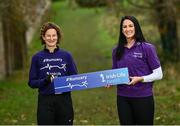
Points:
50	38
128	29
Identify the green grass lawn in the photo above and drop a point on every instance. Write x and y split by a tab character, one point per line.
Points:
91	48
17	101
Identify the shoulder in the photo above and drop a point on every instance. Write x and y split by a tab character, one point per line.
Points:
64	52
147	45
37	55
114	50
148	48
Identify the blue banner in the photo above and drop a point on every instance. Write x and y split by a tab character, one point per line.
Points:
91	80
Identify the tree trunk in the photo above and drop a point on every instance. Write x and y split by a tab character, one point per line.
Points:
7	46
19	45
167	26
14	40
2	53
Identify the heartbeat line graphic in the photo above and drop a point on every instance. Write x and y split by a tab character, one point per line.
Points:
83	84
54	66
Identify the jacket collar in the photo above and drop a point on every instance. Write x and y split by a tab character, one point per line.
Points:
47	50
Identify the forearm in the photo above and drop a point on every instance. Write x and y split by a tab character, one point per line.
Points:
38	83
156	75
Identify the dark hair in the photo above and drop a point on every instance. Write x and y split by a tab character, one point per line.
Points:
122	39
50	25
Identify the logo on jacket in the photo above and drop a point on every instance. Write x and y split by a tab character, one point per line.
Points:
137	55
63	66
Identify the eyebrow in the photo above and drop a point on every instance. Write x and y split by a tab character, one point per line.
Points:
128	24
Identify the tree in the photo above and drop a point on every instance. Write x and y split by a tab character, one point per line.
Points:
166	18
14	30
166	12
17	17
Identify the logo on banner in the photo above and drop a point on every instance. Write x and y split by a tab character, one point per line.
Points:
112	78
69	80
102	77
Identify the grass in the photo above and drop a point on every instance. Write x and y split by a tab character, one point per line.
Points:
91	48
17	101
167	93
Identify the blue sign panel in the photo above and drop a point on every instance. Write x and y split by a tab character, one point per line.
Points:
91	80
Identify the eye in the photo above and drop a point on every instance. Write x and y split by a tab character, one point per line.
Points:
54	35
124	26
47	35
131	25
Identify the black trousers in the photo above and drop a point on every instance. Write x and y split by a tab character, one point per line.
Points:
55	109
135	111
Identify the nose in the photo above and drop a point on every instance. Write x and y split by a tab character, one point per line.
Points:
51	38
127	28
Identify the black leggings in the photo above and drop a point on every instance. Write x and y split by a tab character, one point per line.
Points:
55	109
135	111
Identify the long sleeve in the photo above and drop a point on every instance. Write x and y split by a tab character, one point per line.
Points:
34	80
154	64
72	69
156	75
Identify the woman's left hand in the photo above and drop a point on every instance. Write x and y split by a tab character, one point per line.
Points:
135	80
107	86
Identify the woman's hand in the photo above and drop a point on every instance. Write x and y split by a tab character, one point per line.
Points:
52	78
49	79
107	86
135	80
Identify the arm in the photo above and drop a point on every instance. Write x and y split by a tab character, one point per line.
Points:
154	63
72	69
156	75
34	80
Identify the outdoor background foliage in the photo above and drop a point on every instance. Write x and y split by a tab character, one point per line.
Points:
91	29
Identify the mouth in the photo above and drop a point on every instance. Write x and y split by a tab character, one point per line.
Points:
129	33
51	41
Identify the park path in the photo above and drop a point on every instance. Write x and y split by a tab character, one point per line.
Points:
82	37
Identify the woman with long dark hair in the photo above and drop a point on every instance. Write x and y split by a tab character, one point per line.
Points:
135	101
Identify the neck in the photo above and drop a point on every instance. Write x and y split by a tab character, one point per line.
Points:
51	49
130	43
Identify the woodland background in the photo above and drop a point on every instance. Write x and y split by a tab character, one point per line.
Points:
91	29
